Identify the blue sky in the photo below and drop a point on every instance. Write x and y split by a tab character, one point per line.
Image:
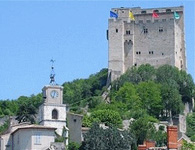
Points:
71	32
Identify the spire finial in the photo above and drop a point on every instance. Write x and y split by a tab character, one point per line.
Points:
52	74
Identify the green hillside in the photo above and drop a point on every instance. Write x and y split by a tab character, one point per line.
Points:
145	93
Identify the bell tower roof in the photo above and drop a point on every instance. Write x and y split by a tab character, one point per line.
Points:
52	93
52	74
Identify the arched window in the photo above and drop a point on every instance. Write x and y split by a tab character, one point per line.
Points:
54	114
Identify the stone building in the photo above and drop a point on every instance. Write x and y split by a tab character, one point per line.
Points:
52	112
32	137
27	136
146	39
51	119
75	127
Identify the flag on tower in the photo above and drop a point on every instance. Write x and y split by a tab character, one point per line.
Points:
112	14
176	15
155	15
131	15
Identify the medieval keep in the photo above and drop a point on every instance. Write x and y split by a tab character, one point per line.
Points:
156	40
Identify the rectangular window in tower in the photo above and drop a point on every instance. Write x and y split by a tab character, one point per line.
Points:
128	32
145	30
181	63
151	52
135	64
107	36
168	10
163	20
138	52
148	21
116	30
160	29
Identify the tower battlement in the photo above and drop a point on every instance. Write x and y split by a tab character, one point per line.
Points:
156	41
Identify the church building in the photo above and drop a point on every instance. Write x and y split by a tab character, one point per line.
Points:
51	119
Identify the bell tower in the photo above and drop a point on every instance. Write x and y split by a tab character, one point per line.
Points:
52	112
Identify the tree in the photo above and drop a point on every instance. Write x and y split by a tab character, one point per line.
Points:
4	127
186	85
190	120
131	76
94	101
172	103
150	95
107	117
168	74
141	127
147	72
187	146
127	94
111	138
78	92
26	112
73	146
176	79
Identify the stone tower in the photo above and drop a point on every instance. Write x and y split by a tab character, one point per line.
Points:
156	41
52	113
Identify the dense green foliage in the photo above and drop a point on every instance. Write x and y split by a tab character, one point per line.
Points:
191	126
188	146
73	146
82	92
143	128
4	127
103	116
78	93
160	92
28	108
107	139
24	107
8	107
144	93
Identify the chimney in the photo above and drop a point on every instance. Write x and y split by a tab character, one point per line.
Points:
172	137
149	144
141	147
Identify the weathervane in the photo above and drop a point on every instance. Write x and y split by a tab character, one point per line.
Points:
52	74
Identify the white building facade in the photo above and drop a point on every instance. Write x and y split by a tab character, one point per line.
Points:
33	137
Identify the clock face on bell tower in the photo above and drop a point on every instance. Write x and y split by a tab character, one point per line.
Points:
53	93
